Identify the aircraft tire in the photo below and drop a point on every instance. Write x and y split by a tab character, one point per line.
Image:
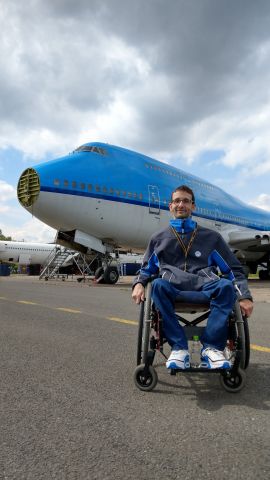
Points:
111	275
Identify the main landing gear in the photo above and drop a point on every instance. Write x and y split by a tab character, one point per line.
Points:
108	274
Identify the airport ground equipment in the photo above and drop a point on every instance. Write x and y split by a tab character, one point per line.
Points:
55	260
86	265
151	340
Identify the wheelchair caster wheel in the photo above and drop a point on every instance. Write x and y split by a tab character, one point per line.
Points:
145	382
233	382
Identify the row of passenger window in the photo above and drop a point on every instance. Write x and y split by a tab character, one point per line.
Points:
28	248
224	216
178	175
97	188
112	191
89	187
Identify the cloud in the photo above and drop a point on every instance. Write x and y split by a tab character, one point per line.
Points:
31	231
262	201
4	209
7	192
170	79
136	69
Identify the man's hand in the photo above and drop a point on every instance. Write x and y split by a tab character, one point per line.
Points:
246	306
138	293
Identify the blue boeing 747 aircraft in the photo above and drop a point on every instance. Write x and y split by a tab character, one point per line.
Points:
102	198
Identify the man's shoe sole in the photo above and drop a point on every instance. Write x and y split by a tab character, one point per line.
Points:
173	366
224	366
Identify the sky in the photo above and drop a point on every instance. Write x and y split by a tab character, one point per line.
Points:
184	81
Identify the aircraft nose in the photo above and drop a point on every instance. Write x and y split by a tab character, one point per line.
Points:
28	187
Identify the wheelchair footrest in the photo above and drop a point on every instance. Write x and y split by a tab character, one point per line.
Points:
198	369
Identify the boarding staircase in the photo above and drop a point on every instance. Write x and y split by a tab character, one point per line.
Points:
59	256
55	260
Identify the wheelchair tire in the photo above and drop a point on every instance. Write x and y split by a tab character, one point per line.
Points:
144	327
145	382
242	331
247	343
140	332
233	382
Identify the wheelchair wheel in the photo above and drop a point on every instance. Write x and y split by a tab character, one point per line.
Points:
144	327
233	382
247	343
140	332
145	381
242	332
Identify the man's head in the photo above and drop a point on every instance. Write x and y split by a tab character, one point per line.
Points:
182	202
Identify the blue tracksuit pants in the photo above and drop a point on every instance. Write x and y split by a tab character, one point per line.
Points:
221	296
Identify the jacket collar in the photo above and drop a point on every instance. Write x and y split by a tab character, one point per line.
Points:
185	225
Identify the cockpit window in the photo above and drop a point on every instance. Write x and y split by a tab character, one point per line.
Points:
91	148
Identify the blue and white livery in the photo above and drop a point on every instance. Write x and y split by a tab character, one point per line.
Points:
102	198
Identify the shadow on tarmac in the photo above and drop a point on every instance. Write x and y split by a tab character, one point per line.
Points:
207	392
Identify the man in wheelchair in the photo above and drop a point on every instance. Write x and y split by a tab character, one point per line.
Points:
186	259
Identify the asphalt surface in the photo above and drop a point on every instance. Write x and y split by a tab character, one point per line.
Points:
69	408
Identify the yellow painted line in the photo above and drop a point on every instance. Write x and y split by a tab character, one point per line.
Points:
26	302
122	320
259	348
69	310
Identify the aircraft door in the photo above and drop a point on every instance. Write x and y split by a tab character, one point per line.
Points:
154	199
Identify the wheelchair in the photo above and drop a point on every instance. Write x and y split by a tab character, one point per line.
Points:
151	340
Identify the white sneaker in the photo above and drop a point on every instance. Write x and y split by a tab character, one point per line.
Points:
178	359
213	358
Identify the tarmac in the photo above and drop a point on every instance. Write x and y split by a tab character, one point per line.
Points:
260	289
70	410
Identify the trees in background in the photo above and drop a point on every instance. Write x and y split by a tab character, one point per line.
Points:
2	237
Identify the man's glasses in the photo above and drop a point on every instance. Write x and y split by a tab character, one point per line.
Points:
185	201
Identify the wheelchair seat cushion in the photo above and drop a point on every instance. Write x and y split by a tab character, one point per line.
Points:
191	302
192	297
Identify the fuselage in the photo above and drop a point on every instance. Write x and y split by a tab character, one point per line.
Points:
25	253
121	197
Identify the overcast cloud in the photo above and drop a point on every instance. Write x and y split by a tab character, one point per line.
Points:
174	79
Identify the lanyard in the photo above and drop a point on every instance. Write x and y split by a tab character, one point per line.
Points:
185	248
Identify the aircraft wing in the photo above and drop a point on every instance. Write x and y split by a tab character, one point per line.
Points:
257	242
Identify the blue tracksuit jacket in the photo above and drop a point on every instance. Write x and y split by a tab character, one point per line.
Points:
165	257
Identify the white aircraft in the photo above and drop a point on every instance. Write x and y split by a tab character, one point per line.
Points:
102	198
25	253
